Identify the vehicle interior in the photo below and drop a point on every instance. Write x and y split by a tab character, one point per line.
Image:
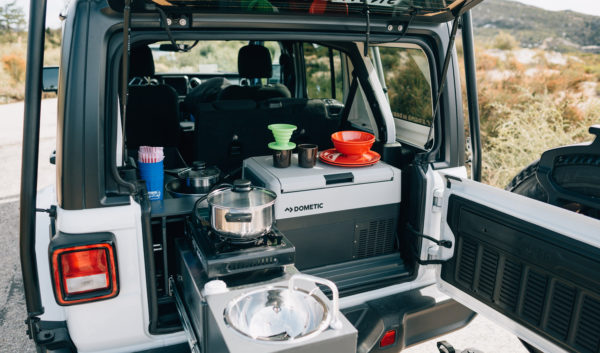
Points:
205	109
213	100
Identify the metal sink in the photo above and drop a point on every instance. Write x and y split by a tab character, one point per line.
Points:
279	314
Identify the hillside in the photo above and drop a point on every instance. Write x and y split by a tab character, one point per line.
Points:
537	28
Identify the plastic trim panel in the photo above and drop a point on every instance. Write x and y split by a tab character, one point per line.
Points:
541	279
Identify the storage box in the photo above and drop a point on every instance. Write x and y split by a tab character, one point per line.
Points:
332	214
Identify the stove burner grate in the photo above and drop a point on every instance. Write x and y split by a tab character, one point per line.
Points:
222	256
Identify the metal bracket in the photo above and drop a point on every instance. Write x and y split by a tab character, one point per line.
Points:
50	211
52	335
185	320
442	243
367	13
445	347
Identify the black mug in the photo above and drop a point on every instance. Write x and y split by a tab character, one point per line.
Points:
307	155
282	158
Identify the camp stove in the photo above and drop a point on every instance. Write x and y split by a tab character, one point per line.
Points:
221	256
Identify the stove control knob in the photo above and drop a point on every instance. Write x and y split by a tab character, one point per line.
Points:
215	287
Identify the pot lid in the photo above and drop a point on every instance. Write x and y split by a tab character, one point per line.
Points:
242	194
199	170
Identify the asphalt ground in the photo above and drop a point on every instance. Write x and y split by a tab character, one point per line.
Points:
481	333
12	301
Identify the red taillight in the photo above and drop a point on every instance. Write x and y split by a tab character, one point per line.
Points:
388	338
84	273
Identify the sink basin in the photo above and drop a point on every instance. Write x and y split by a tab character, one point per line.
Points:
278	314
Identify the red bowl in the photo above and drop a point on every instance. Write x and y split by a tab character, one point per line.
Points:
352	142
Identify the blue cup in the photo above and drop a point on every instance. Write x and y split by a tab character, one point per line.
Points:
152	173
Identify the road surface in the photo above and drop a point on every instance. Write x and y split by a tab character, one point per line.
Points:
481	333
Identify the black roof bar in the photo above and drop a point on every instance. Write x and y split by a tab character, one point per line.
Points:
125	71
441	84
472	100
29	159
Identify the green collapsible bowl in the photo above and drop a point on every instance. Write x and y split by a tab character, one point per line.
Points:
282	133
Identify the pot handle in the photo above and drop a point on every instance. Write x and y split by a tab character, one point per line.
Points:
335	323
238	217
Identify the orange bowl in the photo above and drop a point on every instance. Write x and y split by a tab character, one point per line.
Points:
352	142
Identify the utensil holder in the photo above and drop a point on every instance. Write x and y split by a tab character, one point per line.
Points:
153	174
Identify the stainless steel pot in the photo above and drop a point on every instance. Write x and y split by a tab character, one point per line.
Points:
242	211
199	179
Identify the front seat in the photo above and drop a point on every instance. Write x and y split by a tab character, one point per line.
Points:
152	108
254	64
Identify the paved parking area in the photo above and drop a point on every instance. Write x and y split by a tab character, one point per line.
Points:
481	333
12	302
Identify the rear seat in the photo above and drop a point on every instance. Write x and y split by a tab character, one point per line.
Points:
227	132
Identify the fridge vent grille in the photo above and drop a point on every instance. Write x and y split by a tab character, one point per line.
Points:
375	239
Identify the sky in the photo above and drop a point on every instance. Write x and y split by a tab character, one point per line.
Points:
591	7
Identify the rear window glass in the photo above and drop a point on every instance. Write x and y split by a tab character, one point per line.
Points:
405	75
207	57
323	80
408	83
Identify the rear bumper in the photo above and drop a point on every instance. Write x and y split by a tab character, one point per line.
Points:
416	316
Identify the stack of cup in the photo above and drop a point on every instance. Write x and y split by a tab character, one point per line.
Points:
150	162
282	147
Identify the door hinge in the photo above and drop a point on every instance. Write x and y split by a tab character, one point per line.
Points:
438	199
50	211
49	335
444	243
432	251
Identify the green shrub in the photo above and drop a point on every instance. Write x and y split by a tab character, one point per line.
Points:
521	133
14	65
505	41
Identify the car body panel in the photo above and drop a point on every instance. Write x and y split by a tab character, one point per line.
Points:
124	318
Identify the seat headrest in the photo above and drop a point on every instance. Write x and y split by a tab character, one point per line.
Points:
254	61
141	62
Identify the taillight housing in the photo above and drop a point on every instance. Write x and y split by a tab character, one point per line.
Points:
388	339
84	273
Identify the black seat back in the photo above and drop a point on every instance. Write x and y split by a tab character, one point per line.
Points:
254	62
152	110
152	116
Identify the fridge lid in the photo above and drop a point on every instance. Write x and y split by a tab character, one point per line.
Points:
295	178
